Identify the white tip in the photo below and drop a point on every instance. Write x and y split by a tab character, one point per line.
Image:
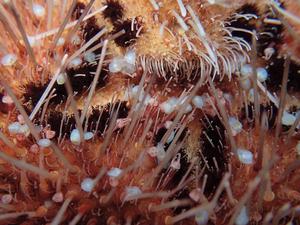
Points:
116	65
61	78
90	57
87	184
169	105
288	119
8	59
88	135
262	74
132	191
130	57
61	41
75	63
44	143
235	125
6	199
198	102
246	70
245	156
38	10
75	137
242	218
202	217
14	128
114	172
58	197
7	99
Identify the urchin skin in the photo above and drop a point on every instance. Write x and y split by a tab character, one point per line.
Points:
140	137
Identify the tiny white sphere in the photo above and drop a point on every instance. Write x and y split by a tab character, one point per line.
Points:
245	156
7	99
6	199
269	52
198	101
132	191
75	63
246	70
188	108
130	57
288	119
88	135
76	40
235	125
14	127
116	65
167	107
61	78
61	41
90	57
87	184
8	59
202	217
242	218
38	10
262	74
75	137
114	172
44	142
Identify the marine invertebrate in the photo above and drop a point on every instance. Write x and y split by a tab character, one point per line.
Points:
161	112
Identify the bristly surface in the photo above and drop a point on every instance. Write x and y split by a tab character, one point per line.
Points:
100	116
213	148
245	24
114	11
130	35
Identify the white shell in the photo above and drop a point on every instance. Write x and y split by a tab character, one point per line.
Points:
14	128
246	70
88	135
61	78
132	191
198	101
44	143
90	57
262	74
114	172
6	198
61	41
235	125
87	184
116	65
75	63
202	217
75	137
38	10
130	57
288	119
242	218
8	59
245	156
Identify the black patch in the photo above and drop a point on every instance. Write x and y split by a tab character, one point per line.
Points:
78	10
275	70
242	23
54	119
129	38
80	78
114	11
270	35
269	108
215	130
